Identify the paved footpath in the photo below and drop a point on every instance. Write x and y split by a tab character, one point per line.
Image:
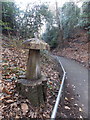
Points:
77	82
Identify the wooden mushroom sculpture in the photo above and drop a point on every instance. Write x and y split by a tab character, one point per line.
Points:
33	64
34	85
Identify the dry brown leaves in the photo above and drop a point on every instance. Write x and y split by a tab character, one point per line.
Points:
13	105
77	50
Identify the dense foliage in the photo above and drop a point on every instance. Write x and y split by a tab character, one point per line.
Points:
60	24
24	23
9	13
85	17
51	36
33	19
69	18
66	20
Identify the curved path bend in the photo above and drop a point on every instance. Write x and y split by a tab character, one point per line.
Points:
77	82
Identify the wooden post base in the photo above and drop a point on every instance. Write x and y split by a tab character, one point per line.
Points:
34	91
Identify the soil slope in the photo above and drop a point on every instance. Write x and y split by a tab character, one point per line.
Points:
76	49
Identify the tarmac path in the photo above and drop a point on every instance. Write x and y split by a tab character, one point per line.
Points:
76	84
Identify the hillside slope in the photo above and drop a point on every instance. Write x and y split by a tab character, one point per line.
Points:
77	48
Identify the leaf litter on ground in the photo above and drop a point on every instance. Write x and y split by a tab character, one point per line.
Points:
15	105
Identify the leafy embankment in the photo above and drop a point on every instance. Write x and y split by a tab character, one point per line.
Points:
77	48
12	104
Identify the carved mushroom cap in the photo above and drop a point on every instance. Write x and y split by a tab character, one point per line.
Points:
35	43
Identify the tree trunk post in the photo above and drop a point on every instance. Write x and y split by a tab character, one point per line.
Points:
33	65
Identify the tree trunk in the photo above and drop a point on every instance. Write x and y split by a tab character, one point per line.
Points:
60	37
33	65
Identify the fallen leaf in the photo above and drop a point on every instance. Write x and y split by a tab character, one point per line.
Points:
17	117
80	109
66	107
50	82
72	98
4	97
82	105
66	98
4	64
1	117
81	117
14	104
24	108
4	90
76	104
9	101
